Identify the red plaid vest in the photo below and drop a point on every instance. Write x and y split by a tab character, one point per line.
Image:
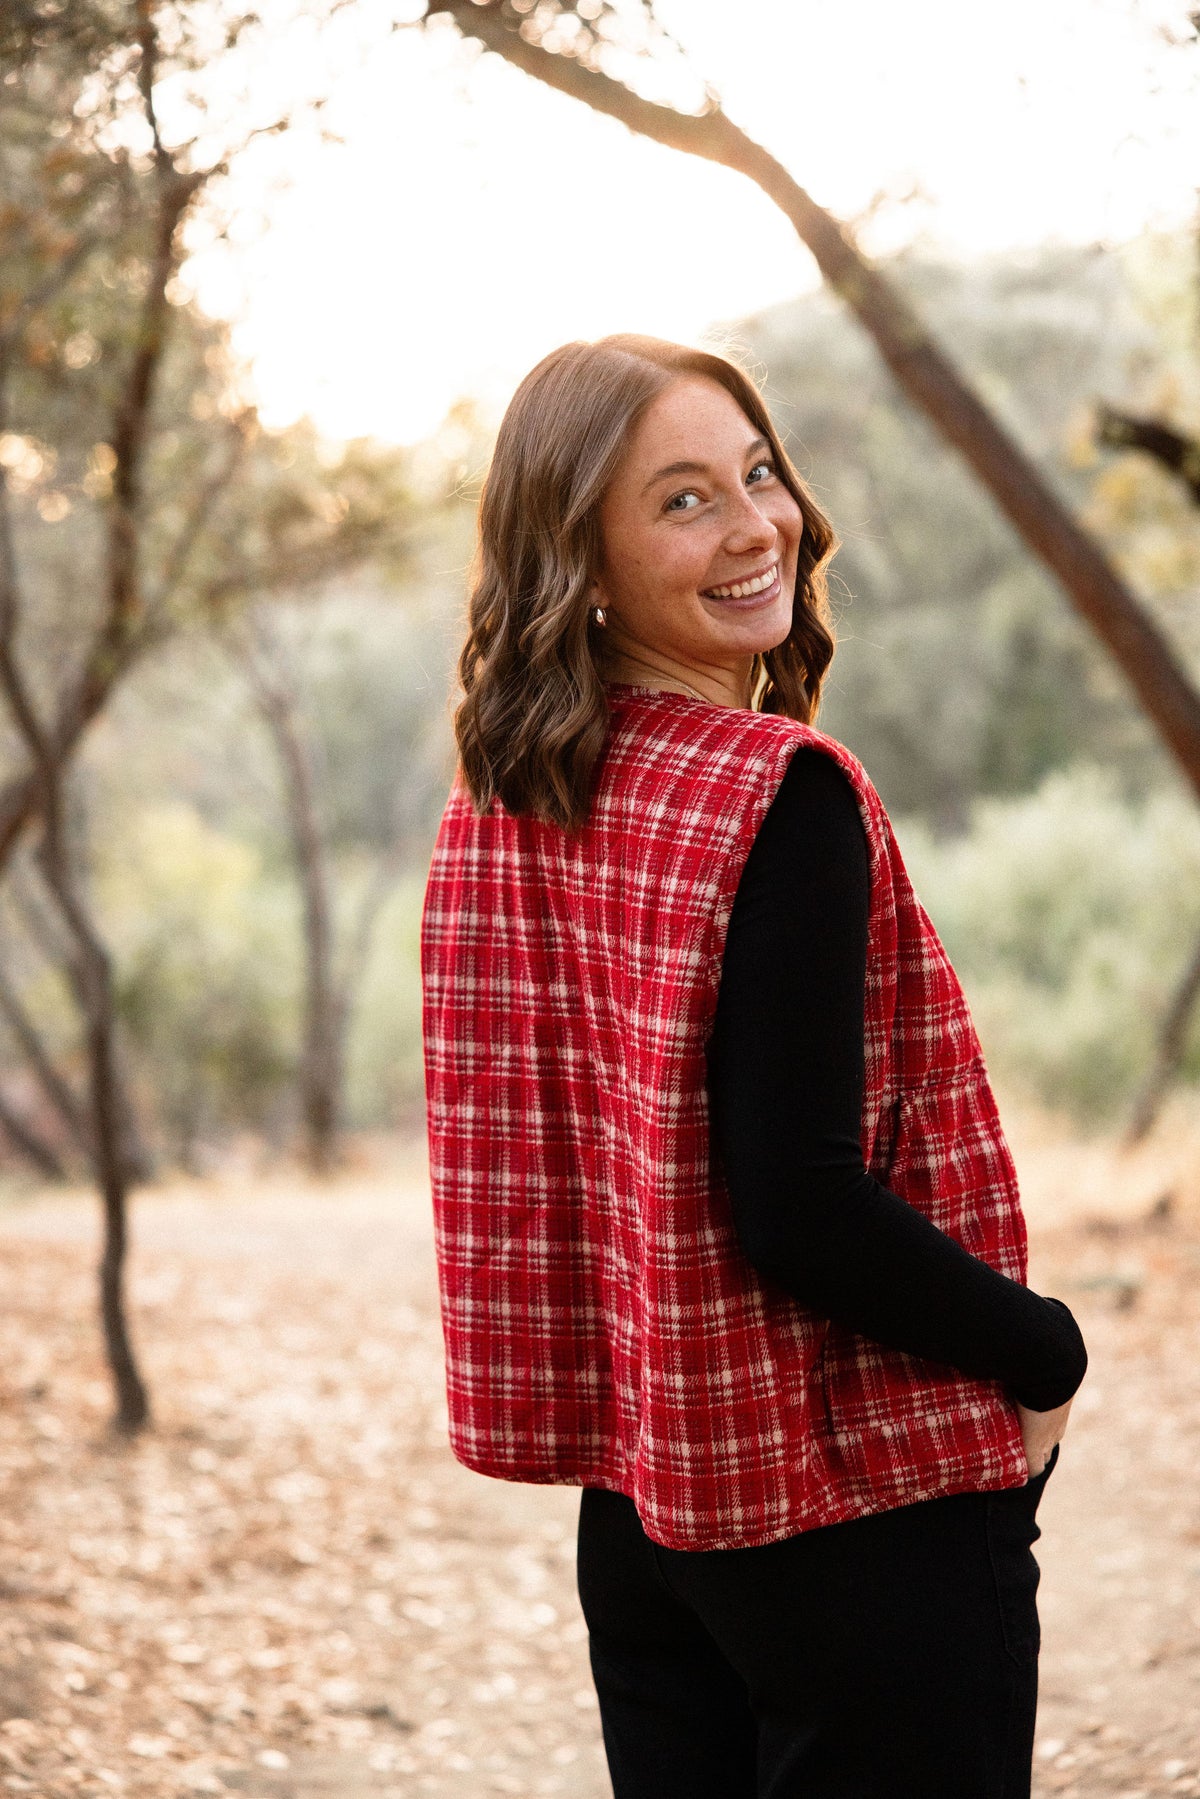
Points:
602	1325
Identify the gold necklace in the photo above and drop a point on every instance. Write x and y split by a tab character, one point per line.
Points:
679	678
691	690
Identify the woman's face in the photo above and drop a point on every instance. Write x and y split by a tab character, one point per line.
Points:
696	505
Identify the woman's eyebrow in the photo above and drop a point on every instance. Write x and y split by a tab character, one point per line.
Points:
700	468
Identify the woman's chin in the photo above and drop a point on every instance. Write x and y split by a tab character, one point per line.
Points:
755	631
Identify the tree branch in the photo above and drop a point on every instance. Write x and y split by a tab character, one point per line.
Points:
50	1080
31	1143
180	552
923	371
51	284
1179	455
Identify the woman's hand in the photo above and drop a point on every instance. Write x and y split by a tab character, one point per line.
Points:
1040	1431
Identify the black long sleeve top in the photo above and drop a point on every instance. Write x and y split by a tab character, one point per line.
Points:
786	1076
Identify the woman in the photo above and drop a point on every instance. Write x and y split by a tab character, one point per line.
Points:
728	1232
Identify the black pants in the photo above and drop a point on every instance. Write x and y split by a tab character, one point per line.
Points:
890	1657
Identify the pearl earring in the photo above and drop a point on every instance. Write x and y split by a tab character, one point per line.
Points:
599	615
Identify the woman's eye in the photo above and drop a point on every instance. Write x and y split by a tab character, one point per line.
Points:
690	492
765	463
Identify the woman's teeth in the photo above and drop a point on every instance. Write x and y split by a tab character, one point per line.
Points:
740	590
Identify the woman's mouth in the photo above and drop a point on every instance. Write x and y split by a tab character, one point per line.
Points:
756	590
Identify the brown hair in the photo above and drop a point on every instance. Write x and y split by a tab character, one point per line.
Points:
535	713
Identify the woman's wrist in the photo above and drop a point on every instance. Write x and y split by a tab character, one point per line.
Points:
1067	1361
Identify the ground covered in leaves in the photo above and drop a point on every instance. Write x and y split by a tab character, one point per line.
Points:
289	1587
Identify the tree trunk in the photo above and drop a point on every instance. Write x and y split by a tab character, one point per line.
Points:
95	987
321	1071
139	1162
1172	1046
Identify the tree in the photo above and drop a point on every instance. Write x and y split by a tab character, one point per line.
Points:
568	47
1160	442
331	980
957	675
125	448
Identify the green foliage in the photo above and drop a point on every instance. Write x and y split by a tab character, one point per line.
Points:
147	506
1066	896
207	973
961	668
202	909
385	1073
372	679
1070	914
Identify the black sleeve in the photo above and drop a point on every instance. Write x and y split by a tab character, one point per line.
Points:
786	1073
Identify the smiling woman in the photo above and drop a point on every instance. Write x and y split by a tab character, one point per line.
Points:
597	562
700	579
684	1017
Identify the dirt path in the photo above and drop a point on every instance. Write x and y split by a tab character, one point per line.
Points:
291	1588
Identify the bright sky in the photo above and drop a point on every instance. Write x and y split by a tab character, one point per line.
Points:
472	219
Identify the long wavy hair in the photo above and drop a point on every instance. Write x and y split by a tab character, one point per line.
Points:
534	717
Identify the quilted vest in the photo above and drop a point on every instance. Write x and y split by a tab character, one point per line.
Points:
602	1325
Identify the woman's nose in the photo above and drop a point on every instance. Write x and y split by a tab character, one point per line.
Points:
749	525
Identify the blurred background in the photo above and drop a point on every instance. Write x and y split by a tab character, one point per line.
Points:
268	277
251	371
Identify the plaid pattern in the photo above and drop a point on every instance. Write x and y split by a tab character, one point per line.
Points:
602	1326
